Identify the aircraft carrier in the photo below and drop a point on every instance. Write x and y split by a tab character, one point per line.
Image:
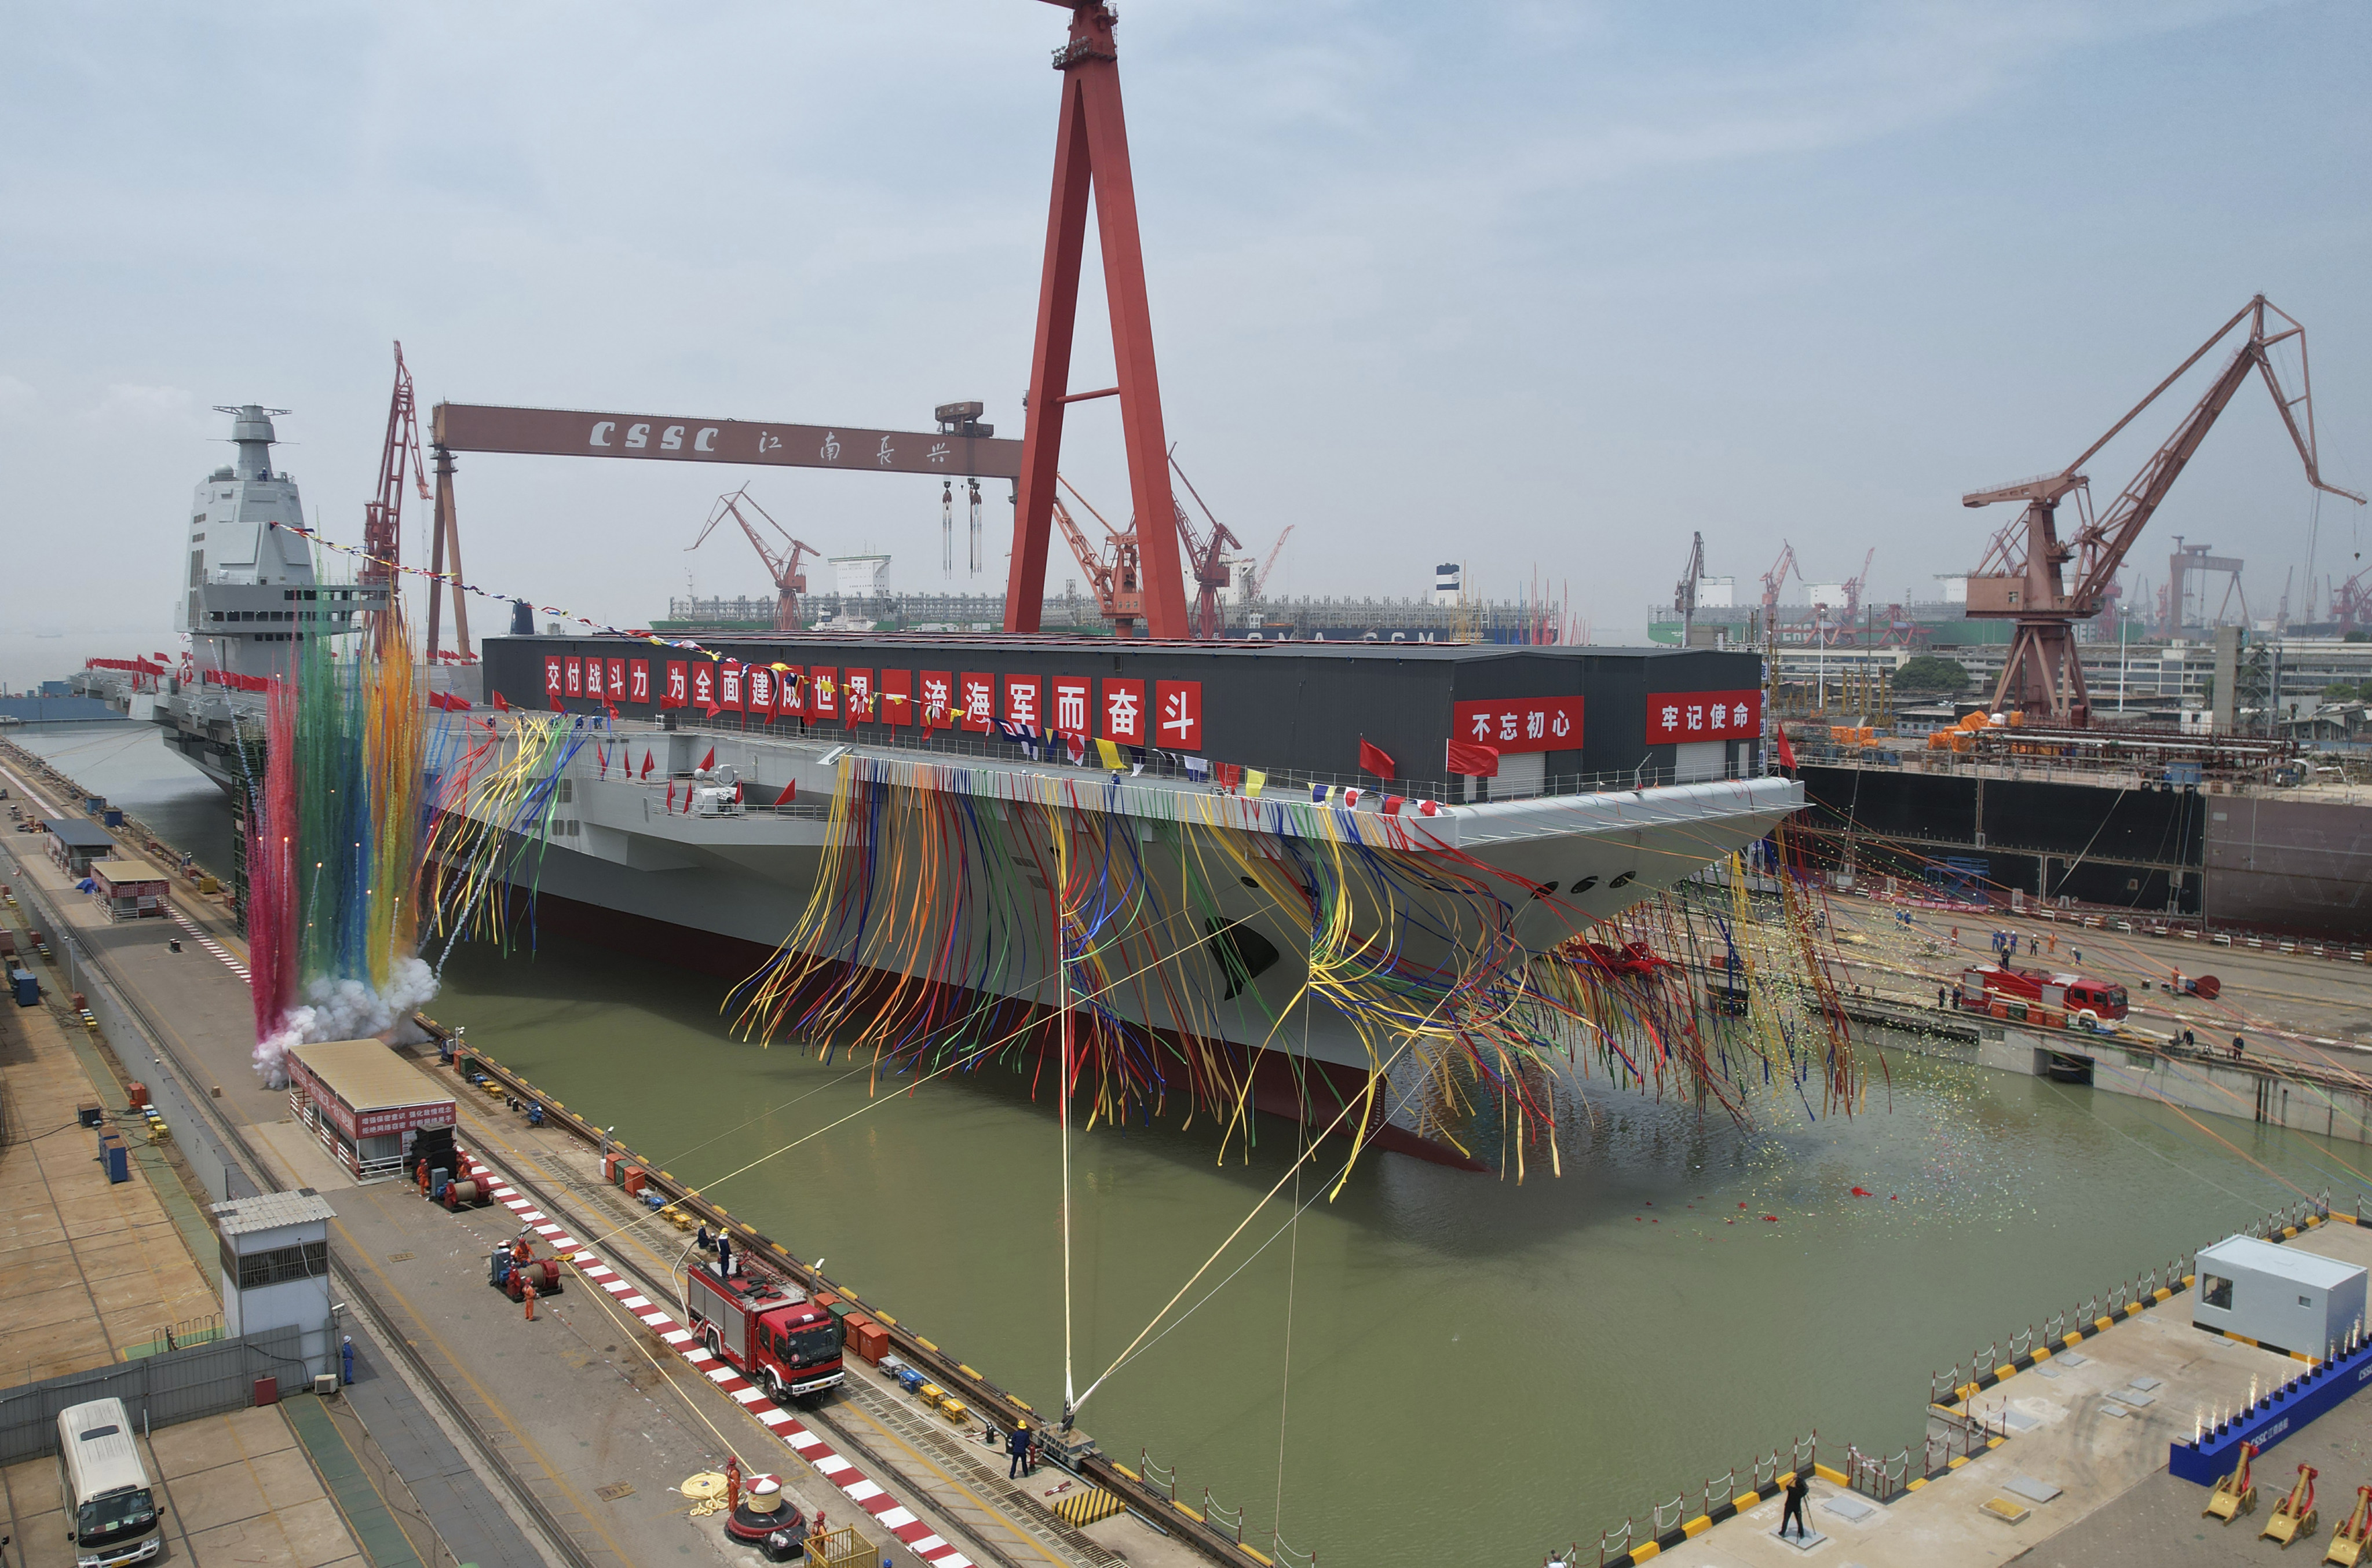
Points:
702	835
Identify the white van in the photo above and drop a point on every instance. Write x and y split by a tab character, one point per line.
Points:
110	1513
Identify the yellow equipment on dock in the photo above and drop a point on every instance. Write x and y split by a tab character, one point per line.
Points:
2236	1493
2293	1516
839	1548
2348	1540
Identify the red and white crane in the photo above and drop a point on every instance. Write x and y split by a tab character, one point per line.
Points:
789	581
2023	576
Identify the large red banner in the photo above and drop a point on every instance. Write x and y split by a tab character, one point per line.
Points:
1680	716
896	696
1178	714
1123	712
979	707
937	700
1519	724
1025	701
1070	715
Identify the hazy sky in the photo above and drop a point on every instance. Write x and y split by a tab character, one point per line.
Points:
1539	285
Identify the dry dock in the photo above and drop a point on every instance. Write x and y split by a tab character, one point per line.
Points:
578	1427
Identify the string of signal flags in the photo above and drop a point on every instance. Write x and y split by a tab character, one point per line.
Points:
1231	776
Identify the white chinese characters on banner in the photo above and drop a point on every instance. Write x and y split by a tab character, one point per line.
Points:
1679	717
1519	724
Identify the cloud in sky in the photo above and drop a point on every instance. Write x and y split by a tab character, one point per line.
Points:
1539	285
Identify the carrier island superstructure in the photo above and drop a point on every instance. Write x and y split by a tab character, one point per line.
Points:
251	593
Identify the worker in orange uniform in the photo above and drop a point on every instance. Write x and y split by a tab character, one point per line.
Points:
732	1482
527	1293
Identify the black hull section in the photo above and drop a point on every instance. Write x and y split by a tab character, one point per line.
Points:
2264	863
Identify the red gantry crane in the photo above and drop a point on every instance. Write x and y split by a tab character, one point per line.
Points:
1775	579
383	515
789	581
2023	576
1112	578
1208	558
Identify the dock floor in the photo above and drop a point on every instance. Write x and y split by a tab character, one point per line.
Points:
2105	1456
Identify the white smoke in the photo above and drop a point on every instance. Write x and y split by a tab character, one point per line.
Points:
348	1009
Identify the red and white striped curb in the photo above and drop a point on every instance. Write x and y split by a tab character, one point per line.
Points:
198	934
868	1495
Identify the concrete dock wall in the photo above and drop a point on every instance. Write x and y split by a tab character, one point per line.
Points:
2302	1099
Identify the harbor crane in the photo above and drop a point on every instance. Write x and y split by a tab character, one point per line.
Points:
1856	587
383	514
1257	587
1208	558
1776	578
2023	576
1113	578
789	581
1684	594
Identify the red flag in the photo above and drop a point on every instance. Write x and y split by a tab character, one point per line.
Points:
1476	762
671	805
708	761
1374	759
557	705
603	753
789	790
1229	774
501	707
647	764
614	711
739	795
1786	752
1392	803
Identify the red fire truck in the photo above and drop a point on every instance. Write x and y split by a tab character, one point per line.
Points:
2035	996
766	1327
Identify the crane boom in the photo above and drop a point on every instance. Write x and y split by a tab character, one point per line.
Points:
1260	584
1206	558
1119	596
789	581
2023	576
383	515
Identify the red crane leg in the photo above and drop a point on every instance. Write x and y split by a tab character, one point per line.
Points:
1132	328
1091	149
1050	368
